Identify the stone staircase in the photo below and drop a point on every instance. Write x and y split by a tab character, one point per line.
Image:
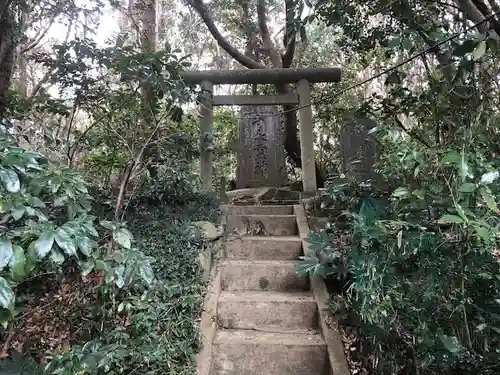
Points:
267	317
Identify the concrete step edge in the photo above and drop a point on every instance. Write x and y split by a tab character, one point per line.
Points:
288	206
264	215
247	237
265	296
270	262
253	336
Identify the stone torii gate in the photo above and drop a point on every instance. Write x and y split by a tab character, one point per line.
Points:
302	77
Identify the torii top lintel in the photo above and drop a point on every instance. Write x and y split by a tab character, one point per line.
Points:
262	76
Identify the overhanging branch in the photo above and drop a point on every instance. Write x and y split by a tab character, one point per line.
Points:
246	61
483	8
472	10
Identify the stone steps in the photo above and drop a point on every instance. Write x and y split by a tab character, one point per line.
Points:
245	352
264	248
257	210
266	310
266	315
274	275
263	225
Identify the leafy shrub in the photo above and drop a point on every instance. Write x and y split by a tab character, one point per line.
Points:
19	365
46	221
164	322
160	335
154	330
135	321
424	290
44	215
177	190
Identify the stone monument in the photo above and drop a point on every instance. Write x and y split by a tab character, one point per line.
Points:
358	149
261	153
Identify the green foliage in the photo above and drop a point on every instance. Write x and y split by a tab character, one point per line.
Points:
425	292
157	333
118	115
423	274
175	188
327	260
45	221
172	310
19	364
226	136
164	322
45	215
131	103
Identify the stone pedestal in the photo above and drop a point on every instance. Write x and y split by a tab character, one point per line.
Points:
261	153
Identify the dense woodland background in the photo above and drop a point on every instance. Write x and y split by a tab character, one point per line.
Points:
99	176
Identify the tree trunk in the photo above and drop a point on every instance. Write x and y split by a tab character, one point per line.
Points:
149	100
7	48
146	12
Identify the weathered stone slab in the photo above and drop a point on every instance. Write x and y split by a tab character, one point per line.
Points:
358	149
263	248
264	195
276	275
261	153
266	310
263	225
247	352
209	230
258	210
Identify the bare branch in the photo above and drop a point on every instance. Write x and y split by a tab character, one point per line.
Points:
33	43
148	21
46	77
472	12
135	162
4	7
494	6
411	133
7	48
266	37
251	32
246	61
483	8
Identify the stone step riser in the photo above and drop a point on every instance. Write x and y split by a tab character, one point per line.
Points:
260	248
263	225
263	315
257	210
262	358
262	275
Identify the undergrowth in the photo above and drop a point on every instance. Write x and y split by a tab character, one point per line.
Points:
422	292
160	333
131	307
167	320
